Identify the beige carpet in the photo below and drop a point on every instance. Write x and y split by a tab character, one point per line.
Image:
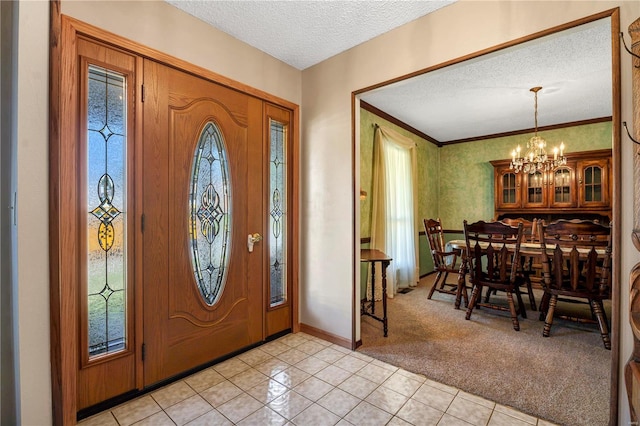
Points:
564	379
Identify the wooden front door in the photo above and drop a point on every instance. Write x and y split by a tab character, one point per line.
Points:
202	196
158	178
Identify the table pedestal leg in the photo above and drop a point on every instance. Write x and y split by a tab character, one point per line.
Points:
384	297
373	288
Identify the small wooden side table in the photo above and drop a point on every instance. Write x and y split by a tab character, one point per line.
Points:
369	308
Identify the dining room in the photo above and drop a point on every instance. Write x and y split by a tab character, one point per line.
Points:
473	171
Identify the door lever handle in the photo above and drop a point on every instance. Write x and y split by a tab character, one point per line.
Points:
252	239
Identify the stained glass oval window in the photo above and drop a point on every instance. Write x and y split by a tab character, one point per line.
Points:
210	214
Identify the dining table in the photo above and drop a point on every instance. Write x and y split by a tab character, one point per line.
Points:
526	248
532	249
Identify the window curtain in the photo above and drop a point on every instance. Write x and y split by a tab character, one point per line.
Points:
394	230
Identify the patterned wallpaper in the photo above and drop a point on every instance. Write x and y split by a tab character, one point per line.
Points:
466	176
455	182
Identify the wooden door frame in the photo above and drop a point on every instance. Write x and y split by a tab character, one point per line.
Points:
64	276
632	367
615	185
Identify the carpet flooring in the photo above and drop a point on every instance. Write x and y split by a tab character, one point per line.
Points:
564	379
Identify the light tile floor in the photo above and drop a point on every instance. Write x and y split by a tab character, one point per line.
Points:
302	380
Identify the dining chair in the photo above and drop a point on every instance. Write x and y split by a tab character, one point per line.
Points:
493	249
529	265
445	261
576	267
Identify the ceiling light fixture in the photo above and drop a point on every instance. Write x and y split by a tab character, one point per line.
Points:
536	159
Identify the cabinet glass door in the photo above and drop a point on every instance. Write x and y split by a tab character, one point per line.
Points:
509	188
535	188
562	186
593	184
535	192
507	191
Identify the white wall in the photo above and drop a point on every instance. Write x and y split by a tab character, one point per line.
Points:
454	31
34	370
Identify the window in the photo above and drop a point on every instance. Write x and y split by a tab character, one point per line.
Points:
278	214
106	232
209	214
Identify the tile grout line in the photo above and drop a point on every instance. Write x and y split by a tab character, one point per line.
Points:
385	385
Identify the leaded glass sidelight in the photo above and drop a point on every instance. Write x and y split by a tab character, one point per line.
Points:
210	214
106	215
278	214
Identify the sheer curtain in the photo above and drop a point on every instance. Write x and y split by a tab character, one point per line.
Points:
393	224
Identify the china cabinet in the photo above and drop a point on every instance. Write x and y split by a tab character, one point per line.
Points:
582	186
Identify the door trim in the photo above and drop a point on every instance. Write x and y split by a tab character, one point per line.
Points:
64	32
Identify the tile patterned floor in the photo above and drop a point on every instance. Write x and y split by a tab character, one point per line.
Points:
305	381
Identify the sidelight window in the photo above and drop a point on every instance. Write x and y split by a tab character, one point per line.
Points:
106	193
277	213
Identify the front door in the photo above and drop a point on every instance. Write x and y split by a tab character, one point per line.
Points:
201	200
160	179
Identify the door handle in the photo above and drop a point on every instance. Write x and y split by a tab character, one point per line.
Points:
252	239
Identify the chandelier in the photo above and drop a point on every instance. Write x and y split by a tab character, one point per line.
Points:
536	158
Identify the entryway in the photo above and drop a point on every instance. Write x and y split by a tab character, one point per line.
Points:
177	199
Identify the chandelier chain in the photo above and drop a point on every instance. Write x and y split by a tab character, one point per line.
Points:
536	113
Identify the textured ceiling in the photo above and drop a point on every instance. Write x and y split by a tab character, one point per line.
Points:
490	94
483	96
303	33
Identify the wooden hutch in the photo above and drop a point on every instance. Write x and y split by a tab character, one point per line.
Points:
580	189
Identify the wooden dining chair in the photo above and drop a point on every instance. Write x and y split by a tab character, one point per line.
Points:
493	249
445	262
577	266
529	265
